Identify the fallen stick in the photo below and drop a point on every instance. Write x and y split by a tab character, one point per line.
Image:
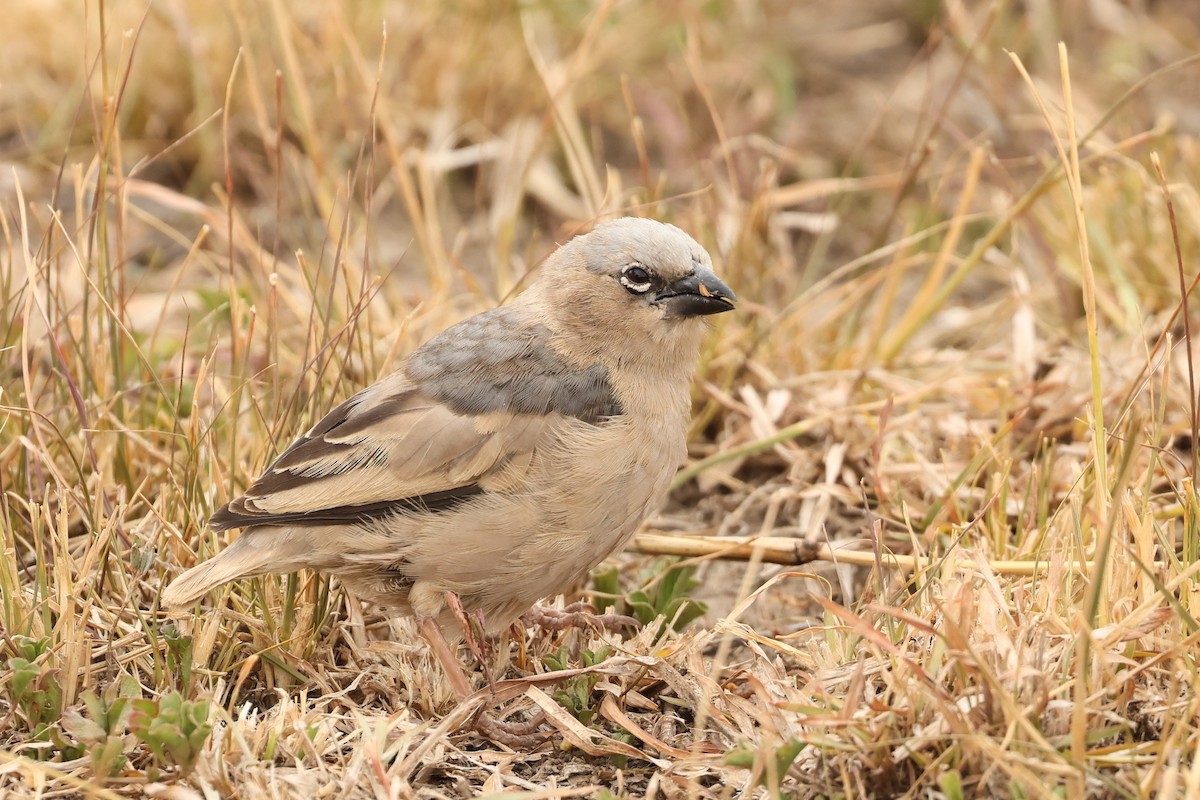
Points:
793	552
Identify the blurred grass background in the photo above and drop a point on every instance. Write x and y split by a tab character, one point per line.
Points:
962	350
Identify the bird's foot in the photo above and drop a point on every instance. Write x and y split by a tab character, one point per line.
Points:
517	735
576	615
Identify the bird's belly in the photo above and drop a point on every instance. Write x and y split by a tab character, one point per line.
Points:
584	500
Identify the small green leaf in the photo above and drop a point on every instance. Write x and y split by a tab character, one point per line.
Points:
783	755
740	756
108	758
82	728
950	782
23	675
30	648
607	584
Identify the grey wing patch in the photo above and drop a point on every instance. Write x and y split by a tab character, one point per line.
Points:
492	363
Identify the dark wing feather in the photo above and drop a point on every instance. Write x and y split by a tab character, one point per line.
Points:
229	517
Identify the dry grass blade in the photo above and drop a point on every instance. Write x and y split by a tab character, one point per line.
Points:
579	735
613	713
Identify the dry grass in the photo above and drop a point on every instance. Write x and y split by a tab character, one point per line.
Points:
962	356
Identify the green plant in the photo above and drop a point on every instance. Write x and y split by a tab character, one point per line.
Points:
101	732
663	591
174	729
575	695
33	687
179	655
771	762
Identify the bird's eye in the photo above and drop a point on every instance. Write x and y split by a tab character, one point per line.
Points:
636	279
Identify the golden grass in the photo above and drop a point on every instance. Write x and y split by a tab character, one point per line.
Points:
960	379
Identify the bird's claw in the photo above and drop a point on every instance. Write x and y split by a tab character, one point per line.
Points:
576	615
516	735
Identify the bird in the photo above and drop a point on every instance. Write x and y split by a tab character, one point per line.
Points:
507	456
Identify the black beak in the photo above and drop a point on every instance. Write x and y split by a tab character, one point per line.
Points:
698	294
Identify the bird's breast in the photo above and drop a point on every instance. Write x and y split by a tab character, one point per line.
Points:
601	483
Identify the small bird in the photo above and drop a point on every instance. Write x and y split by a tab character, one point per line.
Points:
508	456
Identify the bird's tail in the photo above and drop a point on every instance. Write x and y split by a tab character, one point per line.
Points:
252	554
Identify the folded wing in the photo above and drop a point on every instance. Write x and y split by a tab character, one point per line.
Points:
462	418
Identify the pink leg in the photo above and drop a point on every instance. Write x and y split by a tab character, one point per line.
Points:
432	634
477	649
517	735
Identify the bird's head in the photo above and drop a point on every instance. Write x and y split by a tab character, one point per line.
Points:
636	278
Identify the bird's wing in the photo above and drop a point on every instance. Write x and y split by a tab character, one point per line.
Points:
463	417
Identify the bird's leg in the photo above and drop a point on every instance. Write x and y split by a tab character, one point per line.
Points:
464	622
576	615
517	735
432	634
486	644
